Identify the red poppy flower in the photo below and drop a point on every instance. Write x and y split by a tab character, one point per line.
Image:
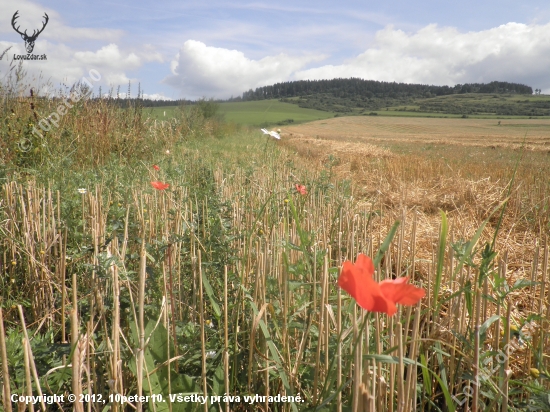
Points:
160	185
356	279
301	189
156	167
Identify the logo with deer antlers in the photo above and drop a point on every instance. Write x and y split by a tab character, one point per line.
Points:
29	40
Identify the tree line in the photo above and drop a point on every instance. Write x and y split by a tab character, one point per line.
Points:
346	88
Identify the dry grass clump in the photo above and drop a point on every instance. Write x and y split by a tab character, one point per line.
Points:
77	129
428	178
423	185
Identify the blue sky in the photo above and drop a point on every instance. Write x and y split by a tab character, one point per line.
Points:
218	48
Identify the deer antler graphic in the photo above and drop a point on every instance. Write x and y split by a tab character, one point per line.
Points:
29	40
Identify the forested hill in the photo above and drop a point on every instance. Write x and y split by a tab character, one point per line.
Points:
358	96
348	88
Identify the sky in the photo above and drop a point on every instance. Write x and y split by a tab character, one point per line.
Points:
220	48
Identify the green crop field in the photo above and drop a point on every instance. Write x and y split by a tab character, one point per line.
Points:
265	113
258	113
269	112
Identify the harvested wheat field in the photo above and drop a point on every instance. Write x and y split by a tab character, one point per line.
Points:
410	169
534	134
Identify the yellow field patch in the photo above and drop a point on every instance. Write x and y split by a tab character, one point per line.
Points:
512	133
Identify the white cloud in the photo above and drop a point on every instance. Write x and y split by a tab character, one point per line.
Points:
109	56
71	52
31	17
66	65
442	55
432	55
156	96
199	70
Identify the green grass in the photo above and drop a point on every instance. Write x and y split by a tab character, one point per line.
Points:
162	112
269	112
264	113
261	113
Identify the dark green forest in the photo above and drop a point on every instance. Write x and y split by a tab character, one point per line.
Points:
363	97
359	88
358	96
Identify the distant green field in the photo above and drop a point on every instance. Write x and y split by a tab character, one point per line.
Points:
269	113
476	105
258	113
162	112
